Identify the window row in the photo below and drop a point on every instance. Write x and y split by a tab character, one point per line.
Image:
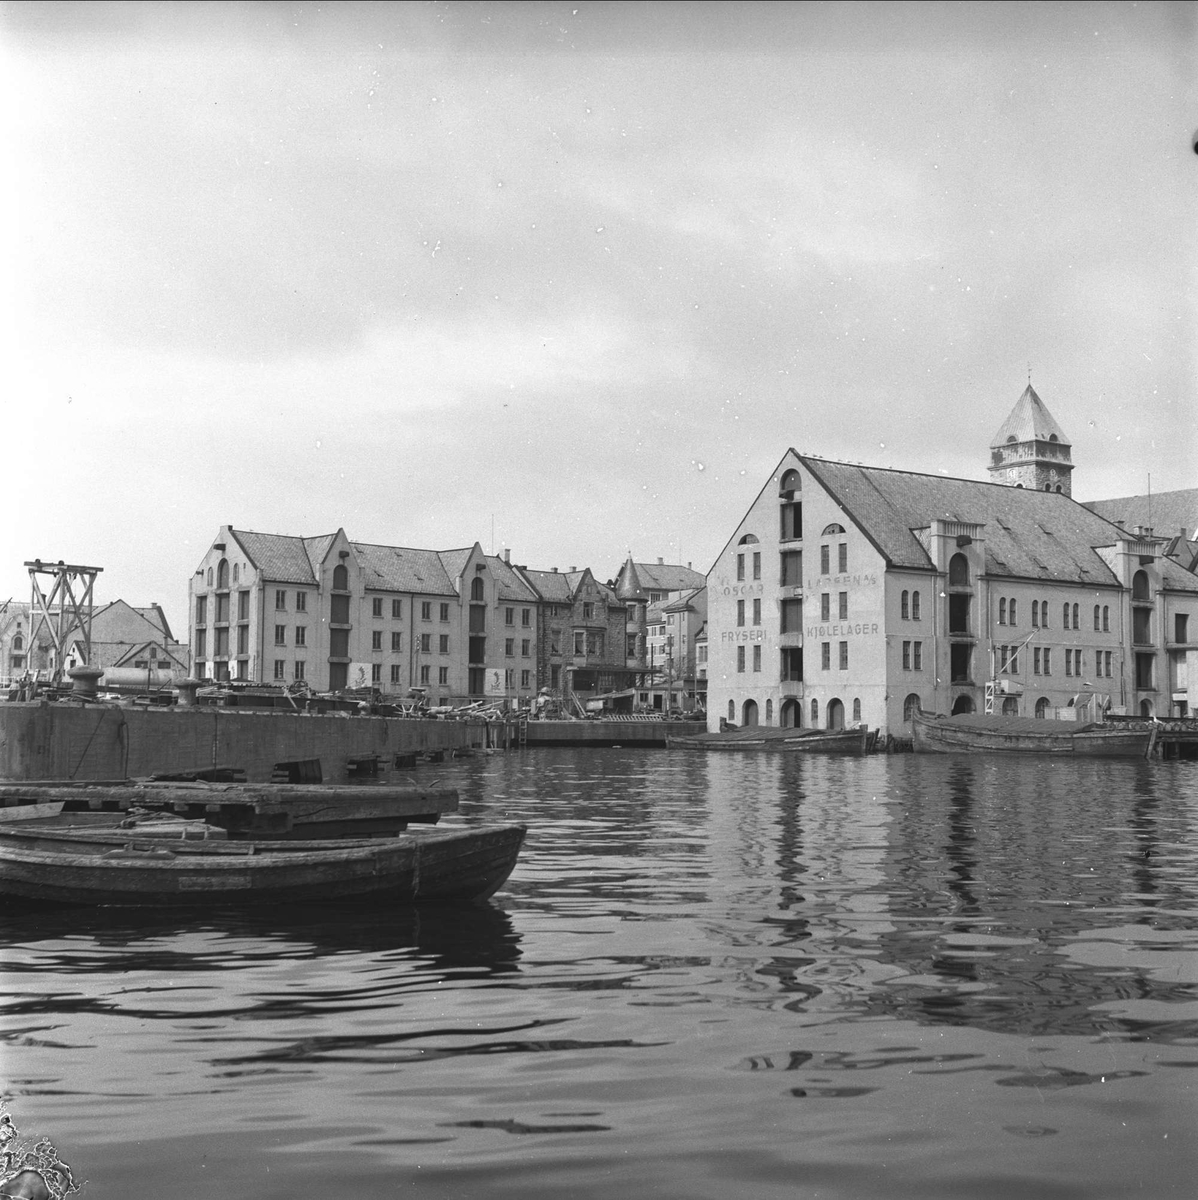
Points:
909	606
913	656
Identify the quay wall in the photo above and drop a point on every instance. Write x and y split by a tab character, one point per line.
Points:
608	733
40	740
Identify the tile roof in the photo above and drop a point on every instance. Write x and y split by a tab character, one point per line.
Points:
1028	534
1029	421
511	586
402	569
1168	513
552	586
280	557
668	577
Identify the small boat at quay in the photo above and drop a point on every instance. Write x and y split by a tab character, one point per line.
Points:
763	737
173	863
978	732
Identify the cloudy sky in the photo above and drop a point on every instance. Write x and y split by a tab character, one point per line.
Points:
570	278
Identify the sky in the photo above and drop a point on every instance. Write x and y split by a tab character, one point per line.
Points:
569	279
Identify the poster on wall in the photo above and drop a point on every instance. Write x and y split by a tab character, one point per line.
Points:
495	684
359	675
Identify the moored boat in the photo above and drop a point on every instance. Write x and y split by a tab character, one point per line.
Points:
762	737
971	733
101	865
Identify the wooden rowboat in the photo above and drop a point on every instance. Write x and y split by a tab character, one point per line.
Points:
763	737
98	865
969	734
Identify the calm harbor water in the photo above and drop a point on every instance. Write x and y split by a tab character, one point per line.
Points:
710	976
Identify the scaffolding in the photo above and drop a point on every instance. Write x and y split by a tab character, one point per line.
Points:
65	611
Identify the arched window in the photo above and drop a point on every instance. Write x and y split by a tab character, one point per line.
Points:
1139	586
222	573
1064	616
1048	487
1013	611
958	571
1042	707
790	483
747	540
834	714
910	706
814	714
790	715
962	704
750	713
856	711
236	571
1002	612
1145	708
1011	440
769	712
905	606
831	529
1097	618
914	606
18	643
1106	619
340	578
1058	489
477	589
1010	707
1076	616
731	710
1052	437
209	576
1035	614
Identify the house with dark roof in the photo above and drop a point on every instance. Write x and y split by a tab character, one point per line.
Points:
331	613
851	594
674	679
640	584
1171	515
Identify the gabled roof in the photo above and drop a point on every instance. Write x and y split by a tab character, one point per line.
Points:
553	587
511	586
401	569
1028	534
665	577
281	558
1029	421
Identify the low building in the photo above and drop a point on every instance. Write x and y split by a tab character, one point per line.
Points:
673	679
638	585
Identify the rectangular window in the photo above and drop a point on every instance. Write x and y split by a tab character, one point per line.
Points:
298	673
339	610
740	612
280	600
842	558
756	564
1013	665
301	635
376	672
757	656
201	643
509	616
844	656
843	606
222	609
825	562
509	647
1107	657
243	606
917	660
792	568
1014	611
756	612
525	679
220	643
1078	668
825	606
825	655
580	642
243	668
396	642
1144	672
555	676
201	610
426	610
201	670
1002	659
301	601
444	612
525	646
396	673
1141	626
740	568
906	656
1047	660
588	610
792	616
396	610
376	639
442	675
1036	661
376	606
476	651
426	674
1068	662
243	639
443	644
280	668
426	643
792	522
740	659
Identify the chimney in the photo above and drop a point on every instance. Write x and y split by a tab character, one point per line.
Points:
507	554
555	570
661	561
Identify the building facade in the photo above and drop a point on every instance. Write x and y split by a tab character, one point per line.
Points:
456	626
850	594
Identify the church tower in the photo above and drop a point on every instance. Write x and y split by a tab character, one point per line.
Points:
1030	450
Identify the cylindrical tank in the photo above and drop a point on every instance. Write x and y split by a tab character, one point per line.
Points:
136	677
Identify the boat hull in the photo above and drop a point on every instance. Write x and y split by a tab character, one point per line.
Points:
787	741
117	868
948	735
